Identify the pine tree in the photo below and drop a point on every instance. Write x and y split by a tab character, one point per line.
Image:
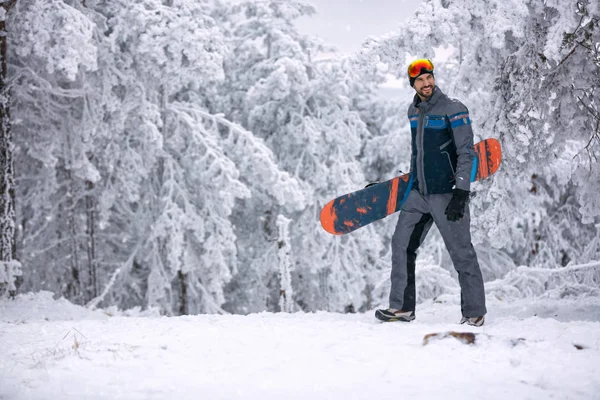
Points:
55	145
304	111
129	180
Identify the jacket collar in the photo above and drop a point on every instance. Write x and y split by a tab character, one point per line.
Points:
426	105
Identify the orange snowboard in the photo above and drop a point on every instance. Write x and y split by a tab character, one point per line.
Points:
351	211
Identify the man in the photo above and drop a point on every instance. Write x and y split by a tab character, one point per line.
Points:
441	163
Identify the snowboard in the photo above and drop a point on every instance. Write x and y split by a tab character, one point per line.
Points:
351	211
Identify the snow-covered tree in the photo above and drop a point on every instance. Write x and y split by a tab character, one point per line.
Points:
122	161
305	112
176	154
53	49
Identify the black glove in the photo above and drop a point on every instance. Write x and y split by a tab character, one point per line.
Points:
456	208
371	184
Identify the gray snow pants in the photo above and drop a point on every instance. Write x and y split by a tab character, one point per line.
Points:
418	213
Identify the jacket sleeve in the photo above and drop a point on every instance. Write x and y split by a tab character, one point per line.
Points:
462	133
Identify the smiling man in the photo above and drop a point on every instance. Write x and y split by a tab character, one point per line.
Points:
441	163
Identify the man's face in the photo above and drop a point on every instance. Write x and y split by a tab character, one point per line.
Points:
424	85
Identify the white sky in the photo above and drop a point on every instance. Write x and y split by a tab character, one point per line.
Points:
347	23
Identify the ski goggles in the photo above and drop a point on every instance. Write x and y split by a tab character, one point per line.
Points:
416	67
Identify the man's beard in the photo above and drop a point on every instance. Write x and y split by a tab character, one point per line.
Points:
420	92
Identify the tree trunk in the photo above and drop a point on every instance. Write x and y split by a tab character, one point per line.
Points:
183	297
90	206
74	286
10	268
285	265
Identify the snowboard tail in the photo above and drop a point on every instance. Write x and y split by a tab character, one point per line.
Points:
488	155
351	211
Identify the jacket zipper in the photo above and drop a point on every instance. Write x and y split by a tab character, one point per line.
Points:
420	152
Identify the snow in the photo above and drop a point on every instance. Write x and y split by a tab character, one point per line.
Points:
56	350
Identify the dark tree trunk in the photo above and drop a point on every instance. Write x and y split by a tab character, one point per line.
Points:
90	206
7	185
183	298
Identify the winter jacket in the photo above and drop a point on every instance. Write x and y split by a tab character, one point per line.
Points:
442	144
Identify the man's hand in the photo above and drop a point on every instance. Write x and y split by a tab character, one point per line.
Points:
456	208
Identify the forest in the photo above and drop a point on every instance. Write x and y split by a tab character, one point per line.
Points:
175	154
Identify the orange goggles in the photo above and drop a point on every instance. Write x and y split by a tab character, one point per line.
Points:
415	68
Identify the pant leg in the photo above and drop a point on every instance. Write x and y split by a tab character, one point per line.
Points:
411	230
457	238
419	233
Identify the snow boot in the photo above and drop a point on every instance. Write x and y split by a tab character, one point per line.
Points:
473	321
391	314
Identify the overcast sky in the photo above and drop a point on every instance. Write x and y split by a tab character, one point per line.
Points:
347	23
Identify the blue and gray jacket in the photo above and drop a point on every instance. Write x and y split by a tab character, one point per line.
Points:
442	144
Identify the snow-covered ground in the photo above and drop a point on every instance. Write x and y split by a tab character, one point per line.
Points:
528	349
